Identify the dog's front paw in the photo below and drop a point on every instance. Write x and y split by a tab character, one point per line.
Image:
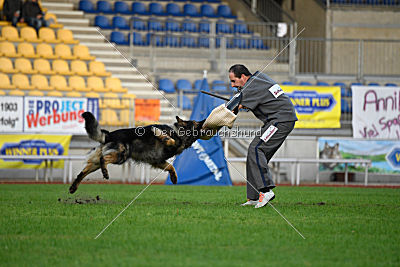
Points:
73	188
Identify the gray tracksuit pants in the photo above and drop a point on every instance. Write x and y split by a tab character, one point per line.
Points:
258	156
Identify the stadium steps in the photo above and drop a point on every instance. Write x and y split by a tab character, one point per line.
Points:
105	52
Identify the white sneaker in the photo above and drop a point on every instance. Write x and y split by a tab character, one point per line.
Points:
249	203
264	199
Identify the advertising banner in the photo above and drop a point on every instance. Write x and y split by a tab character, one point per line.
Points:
11	114
376	112
36	145
147	110
57	114
316	106
384	154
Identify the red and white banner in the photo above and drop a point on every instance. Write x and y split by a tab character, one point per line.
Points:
56	114
376	112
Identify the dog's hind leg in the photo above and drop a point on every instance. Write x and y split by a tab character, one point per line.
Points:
162	136
168	167
114	153
103	167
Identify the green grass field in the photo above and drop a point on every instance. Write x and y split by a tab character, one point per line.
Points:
201	226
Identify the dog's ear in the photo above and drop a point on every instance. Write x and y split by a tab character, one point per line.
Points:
179	120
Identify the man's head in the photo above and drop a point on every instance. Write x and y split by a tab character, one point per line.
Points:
238	75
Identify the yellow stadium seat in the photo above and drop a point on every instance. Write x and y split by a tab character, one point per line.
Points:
24	65
40	82
82	52
63	51
48	36
4	23
92	95
29	35
16	93
45	51
59	83
77	83
53	21
96	84
127	100
2	92
109	117
114	84
61	67
6	65
5	82
35	93
10	33
55	93
21	81
111	100
8	49
98	68
27	50
73	94
125	117
66	36
79	67
43	66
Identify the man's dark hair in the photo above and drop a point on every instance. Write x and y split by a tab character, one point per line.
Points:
238	70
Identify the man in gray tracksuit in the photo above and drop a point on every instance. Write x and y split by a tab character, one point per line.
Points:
268	102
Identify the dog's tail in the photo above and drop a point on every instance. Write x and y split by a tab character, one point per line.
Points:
93	128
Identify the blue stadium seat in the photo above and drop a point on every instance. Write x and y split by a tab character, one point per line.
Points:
391	84
183	84
171	41
139	24
345	108
322	84
187	104
121	7
119	38
172	26
238	42
188	25
257	43
288	83
139	8
188	41
218	42
356	84
190	10
155	25
138	39
373	84
153	39
305	83
166	85
240	27
207	10
102	22
225	11
218	85
87	6
173	9
203	41
121	23
223	27
197	84
343	89
104	7
204	26
156	9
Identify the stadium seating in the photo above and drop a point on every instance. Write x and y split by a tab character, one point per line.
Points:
239	43
26	50
155	25
43	66
288	83
82	52
61	67
40	82
87	6
172	25
98	68
2	93
173	9
121	7
102	22
16	92
127	100
190	10
52	20
204	26
66	36
187	105
11	34
119	38
223	27
189	25
55	93
184	85
139	24
104	7
73	94
96	84
21	82
8	49
391	84
63	51
114	84
156	9
225	11
5	82
240	27
23	65
120	23
207	10
77	83
139	8
35	93
305	83
188	41
322	83
6	65
166	85
373	84
48	36
79	67
44	50
29	34
59	83
171	41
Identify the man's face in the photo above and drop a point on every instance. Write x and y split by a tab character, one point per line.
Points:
237	82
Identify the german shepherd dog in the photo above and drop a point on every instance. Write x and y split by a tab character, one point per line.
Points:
152	144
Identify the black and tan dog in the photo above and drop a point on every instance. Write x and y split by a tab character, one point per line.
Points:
152	144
